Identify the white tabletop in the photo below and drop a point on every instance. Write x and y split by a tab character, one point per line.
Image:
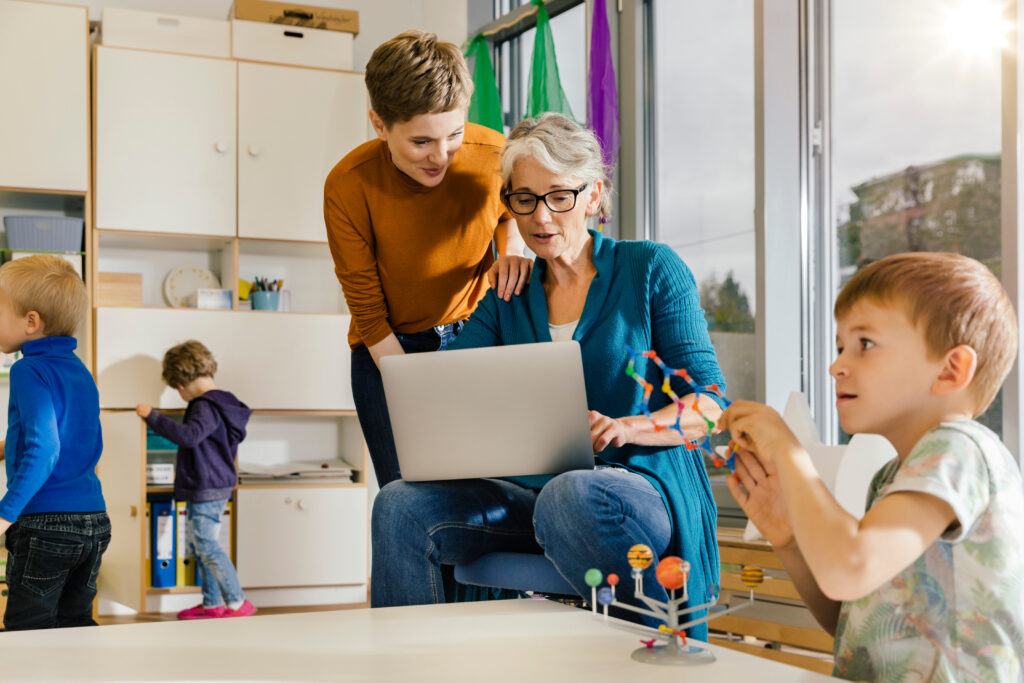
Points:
526	641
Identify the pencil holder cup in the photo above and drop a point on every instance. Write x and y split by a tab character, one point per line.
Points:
265	301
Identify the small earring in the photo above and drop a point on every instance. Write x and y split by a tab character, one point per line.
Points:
600	223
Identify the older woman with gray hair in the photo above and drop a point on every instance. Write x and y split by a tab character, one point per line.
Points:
607	295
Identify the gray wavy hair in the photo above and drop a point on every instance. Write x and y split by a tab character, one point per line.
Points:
562	146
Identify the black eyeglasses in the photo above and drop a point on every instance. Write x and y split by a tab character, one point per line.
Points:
557	201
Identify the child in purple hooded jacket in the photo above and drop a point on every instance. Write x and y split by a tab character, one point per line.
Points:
205	473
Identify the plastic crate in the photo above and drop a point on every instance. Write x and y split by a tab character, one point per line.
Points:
44	233
155	442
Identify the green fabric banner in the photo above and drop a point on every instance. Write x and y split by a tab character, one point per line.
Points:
485	106
546	92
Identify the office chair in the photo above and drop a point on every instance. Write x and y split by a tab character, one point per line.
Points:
524	572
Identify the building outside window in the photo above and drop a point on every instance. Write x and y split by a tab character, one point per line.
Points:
917	133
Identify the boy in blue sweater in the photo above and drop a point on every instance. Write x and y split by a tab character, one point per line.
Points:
53	511
205	472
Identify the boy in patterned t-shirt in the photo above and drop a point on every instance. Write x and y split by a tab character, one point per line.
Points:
929	585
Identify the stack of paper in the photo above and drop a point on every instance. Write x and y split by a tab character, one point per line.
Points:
334	471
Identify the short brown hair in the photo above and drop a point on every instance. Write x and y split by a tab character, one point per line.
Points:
954	300
48	285
414	73
186	362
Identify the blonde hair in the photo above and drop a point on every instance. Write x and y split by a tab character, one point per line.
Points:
49	286
415	73
562	146
186	362
954	300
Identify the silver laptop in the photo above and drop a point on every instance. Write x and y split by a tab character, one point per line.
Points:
500	411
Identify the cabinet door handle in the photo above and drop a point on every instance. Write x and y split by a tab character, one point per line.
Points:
220	146
133	511
287	501
254	150
293	34
300	505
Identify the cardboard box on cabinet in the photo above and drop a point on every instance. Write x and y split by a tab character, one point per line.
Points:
293	14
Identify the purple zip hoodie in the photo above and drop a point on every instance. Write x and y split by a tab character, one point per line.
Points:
207	442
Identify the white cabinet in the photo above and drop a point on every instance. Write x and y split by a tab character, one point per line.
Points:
274	361
301	536
169	139
264	41
122	471
165	142
44	88
293	127
180	141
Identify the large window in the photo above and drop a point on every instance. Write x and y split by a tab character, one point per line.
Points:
916	125
704	165
513	57
704	172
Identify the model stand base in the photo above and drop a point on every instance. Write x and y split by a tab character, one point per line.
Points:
672	573
674	655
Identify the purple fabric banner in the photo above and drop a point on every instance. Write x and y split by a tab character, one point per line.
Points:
603	94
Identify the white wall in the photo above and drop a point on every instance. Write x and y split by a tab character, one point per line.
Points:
378	19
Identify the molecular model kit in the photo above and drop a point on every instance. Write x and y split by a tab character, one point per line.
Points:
666	387
672	573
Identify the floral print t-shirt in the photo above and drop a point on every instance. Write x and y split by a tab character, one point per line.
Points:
957	612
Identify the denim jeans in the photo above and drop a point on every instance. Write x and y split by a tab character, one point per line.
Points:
217	575
579	520
372	407
52	562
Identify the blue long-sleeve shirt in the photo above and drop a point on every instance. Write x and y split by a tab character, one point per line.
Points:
53	433
643	296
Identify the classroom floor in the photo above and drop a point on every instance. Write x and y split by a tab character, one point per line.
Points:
264	611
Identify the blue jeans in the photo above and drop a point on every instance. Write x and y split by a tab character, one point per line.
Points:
52	562
372	407
217	575
579	520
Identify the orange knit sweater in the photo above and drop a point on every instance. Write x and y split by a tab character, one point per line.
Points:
411	257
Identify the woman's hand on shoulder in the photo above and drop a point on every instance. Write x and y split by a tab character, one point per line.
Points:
607	431
509	275
143	410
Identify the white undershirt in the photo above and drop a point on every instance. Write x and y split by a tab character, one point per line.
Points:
563	332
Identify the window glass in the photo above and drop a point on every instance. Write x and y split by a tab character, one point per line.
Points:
569	31
916	128
704	157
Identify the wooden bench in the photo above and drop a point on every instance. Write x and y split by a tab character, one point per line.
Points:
778	593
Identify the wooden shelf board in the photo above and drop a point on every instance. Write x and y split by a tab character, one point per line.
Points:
250	246
304	413
34	190
258	411
227	310
40	251
162	241
289	485
173	589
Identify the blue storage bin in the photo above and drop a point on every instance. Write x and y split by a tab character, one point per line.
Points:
155	442
44	233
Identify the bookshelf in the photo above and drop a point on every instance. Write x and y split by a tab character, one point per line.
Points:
237	191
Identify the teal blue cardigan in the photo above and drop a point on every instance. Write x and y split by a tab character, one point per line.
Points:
645	297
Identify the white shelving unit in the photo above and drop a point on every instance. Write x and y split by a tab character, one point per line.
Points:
174	157
44	129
